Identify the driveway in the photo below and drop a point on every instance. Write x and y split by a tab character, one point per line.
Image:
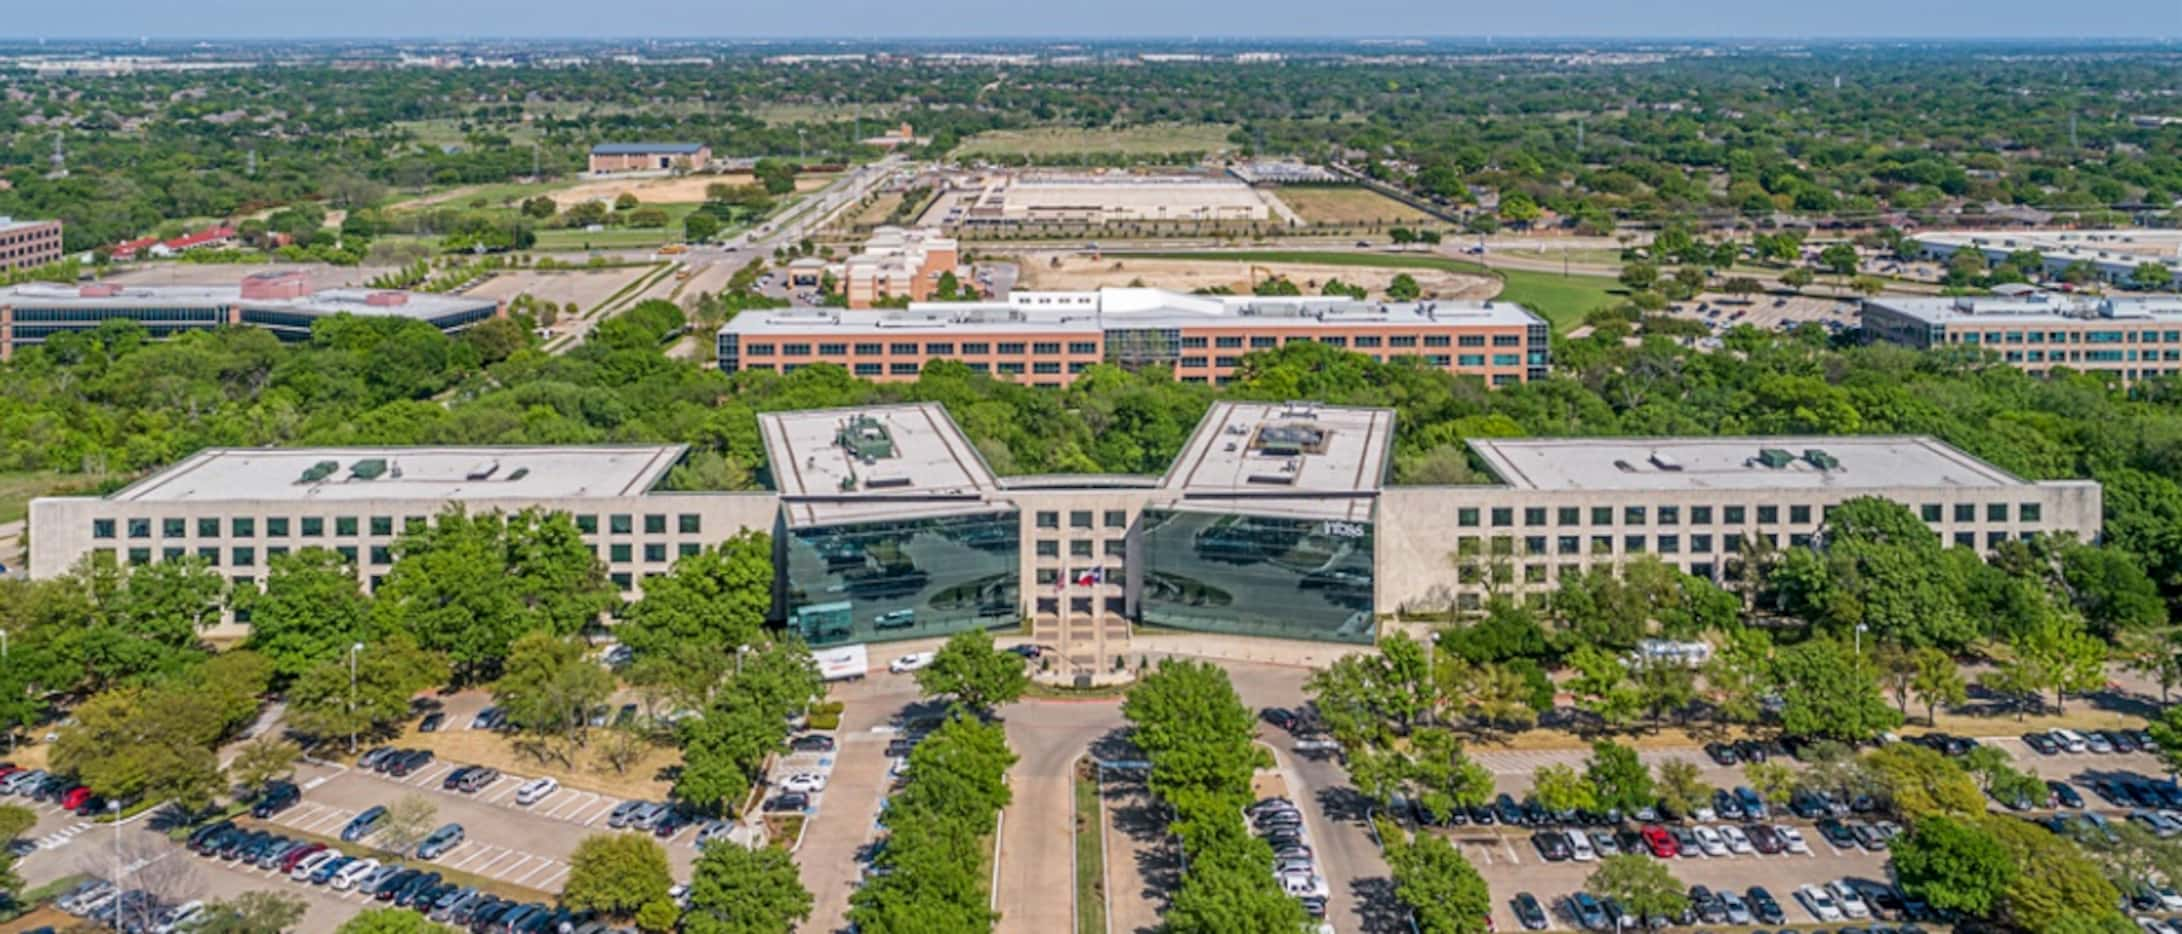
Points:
1036	892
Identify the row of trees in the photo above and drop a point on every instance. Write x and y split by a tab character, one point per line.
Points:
930	873
1201	742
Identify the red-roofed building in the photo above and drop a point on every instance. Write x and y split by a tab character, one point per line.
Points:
130	249
220	235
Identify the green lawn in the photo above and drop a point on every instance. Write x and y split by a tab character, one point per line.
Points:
17	489
1562	300
1090	859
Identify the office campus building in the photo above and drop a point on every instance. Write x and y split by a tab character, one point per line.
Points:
281	302
2112	255
897	263
28	244
1014	199
1274	520
1048	338
2131	337
613	158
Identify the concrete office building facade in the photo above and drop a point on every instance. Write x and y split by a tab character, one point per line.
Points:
1274	520
2131	338
28	244
280	302
1049	338
615	158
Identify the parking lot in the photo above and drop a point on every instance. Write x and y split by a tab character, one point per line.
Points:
842	821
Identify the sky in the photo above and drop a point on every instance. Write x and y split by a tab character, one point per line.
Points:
884	19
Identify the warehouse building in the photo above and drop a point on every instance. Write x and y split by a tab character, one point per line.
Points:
616	158
2131	337
1003	199
280	302
1274	520
1049	338
2112	255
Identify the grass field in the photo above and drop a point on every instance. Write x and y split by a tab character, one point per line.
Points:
1148	139
19	488
1347	204
1563	301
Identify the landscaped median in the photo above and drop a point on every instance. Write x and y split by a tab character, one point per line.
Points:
1090	850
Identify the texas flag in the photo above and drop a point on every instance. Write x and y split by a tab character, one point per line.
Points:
1092	576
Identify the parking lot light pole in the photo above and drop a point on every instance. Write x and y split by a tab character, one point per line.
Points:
353	649
740	651
1860	627
113	809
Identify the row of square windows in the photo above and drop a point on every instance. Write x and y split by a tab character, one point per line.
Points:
1535	516
2064	337
1054	367
1081	548
1470	546
1047	348
315	526
243	556
2091	356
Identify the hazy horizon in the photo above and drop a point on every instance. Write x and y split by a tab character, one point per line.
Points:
991	20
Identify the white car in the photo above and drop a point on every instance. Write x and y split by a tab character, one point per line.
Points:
535	790
1579	847
1791	839
310	864
177	917
805	782
352	873
900	768
910	662
1737	841
1852	904
2070	740
1818	903
1709	840
1298	885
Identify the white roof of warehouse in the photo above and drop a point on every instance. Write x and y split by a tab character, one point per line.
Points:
1672	464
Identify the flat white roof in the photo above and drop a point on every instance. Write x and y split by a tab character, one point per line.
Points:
2034	308
419	305
1611	464
1285	457
275	475
873	462
1125	308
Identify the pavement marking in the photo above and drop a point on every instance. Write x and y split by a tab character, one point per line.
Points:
511	867
525	877
431	775
503	788
484	867
554	878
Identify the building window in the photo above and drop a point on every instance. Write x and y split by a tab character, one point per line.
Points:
618	552
1996	512
655	524
1048	548
1079	519
208	528
1568	515
1227	342
1632	515
140	528
620	523
1799	515
902	369
1732	541
1045	366
1079	548
172	528
1768	515
1700	543
1734	515
242	527
344	525
1965	512
1045	348
1466	517
2028	512
940	349
314	526
587	524
1116	519
686	549
1083	347
976	347
1503	516
382	525
1670	544
833	350
1567	545
1534	516
688	523
902	350
621	579
1966	539
140	556
1534	545
1602	515
869	350
1930	512
1602	544
1048	519
1632	544
1116	548
1670	515
655	552
869	369
274	551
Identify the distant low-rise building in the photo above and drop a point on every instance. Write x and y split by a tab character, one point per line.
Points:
28	244
280	302
2112	255
610	158
898	263
214	237
1048	338
2131	337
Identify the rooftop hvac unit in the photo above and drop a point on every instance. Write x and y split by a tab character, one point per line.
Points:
518	474
319	471
482	471
1272	479
370	468
1663	461
1817	457
886	482
1775	458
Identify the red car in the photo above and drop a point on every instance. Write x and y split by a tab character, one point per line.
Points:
288	862
1661	842
75	797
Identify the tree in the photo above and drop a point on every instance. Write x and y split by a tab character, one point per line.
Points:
2167	732
131	743
1197	734
2151	276
1639	276
390	921
723	750
310	611
14	821
973	672
253	912
1917	781
1603	687
388	673
1773	781
1797	278
1641	884
1954	865
470	586
738	890
1558	788
409	819
1403	288
1839	259
1682	788
1369	699
617	874
2053	879
717	598
699	227
1937	681
262	760
1621	779
1827	692
1444	892
549	688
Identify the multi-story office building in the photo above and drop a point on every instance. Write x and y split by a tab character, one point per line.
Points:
897	263
1274	519
281	302
2112	255
1048	338
2130	337
28	244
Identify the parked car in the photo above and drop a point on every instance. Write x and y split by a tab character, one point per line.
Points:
535	790
477	778
788	802
447	837
2041	743
1852	903
363	824
432	721
1552	845
807	782
1764	909
2065	794
352	874
620	815
910	662
277	797
811	742
1660	842
1819	903
1529	913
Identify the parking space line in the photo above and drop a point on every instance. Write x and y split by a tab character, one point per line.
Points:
550	881
506	786
485	867
525	877
503	874
430	776
470	857
602	812
331	817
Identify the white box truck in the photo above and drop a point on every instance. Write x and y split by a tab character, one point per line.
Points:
842	662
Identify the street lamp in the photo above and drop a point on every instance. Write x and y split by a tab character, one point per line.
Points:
353	649
1860	627
740	651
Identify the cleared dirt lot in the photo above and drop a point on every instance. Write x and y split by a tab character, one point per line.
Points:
1082	271
681	189
1347	205
586	287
